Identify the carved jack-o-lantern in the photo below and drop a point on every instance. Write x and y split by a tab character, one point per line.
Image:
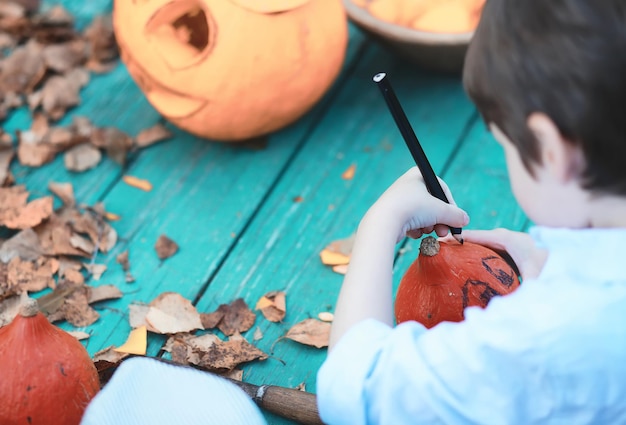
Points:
232	69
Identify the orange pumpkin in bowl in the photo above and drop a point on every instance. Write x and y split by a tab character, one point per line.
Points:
232	69
433	34
448	277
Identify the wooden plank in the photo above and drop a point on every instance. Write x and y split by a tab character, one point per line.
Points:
203	197
279	251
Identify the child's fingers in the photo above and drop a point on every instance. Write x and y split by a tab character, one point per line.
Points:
450	215
498	239
446	190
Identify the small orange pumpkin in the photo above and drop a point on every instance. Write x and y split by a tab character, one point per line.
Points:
46	375
232	69
448	277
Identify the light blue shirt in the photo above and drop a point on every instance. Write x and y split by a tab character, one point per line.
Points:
552	352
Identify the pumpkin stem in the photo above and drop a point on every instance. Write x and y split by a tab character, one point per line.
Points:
429	246
28	307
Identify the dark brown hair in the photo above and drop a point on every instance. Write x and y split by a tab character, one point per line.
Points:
565	58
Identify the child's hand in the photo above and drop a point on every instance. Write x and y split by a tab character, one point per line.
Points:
520	246
408	207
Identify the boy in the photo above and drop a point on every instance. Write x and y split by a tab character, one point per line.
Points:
549	78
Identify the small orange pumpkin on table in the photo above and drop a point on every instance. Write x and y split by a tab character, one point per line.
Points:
448	277
46	375
232	70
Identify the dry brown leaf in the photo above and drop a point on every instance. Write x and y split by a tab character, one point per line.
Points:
180	352
112	216
8	309
152	135
96	270
92	223
310	332
51	302
31	276
144	185
6	291
114	141
194	342
66	263
330	258
169	313
109	355
6	155
17	213
123	260
258	334
211	320
73	276
82	157
165	247
24	244
338	252
64	191
79	335
103	50
235	374
8	101
341	268
55	234
33	150
63	57
103	292
81	243
273	306
137	342
75	309
209	352
349	173
23	69
226	355
231	318
61	92
54	25
326	316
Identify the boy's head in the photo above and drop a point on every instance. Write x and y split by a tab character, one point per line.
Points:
566	60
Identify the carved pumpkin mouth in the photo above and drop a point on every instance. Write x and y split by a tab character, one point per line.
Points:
175	105
171	103
182	33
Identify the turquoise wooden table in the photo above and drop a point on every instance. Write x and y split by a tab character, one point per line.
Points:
249	221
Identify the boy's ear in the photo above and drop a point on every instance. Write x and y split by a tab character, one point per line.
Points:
561	158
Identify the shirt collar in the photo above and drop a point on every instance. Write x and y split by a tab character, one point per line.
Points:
594	254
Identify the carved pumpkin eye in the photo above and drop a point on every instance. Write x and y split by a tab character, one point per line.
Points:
182	33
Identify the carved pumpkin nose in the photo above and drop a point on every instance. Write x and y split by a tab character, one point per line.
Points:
182	30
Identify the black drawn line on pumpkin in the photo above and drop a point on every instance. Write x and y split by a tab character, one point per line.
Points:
486	295
503	277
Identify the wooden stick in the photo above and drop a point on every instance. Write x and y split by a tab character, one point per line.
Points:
299	406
